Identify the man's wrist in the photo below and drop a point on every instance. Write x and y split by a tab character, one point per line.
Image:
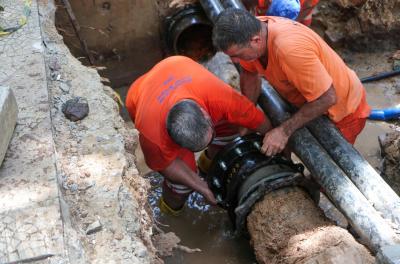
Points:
287	128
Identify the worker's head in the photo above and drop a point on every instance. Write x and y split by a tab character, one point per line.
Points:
190	126
239	34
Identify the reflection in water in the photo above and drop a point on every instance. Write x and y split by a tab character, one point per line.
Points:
201	226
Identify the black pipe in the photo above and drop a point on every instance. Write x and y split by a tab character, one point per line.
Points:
380	76
240	175
187	30
233	4
367	180
212	8
364	218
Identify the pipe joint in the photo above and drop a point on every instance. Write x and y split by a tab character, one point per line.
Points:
240	175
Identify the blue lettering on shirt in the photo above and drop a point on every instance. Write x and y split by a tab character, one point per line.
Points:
178	83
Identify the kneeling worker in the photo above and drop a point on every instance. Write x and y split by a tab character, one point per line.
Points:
179	108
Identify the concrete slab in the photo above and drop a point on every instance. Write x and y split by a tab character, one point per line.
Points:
30	221
8	118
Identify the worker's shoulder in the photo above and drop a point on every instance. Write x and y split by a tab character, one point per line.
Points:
291	36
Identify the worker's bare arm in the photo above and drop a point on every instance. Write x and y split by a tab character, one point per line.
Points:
180	173
250	85
276	139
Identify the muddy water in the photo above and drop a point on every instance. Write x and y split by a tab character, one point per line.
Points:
380	94
209	229
204	227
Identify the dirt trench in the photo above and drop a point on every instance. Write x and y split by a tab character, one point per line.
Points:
122	46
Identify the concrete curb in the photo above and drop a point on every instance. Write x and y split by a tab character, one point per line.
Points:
8	118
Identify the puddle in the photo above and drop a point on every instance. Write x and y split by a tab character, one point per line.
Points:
201	226
380	94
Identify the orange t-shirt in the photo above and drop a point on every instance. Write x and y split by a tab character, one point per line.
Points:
301	67
176	78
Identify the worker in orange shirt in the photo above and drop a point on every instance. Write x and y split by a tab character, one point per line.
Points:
299	10
299	65
179	108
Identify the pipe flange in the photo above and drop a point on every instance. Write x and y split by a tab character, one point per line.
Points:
236	162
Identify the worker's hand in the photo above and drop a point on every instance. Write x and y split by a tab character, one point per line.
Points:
274	141
207	193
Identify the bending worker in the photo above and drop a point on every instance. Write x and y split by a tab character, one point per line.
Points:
180	108
299	65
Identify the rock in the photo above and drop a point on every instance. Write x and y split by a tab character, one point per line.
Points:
64	87
8	118
222	66
73	187
118	236
76	109
94	227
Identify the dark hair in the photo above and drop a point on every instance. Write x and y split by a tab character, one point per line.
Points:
234	27
187	125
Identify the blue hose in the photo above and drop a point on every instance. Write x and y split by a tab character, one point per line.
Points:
384	114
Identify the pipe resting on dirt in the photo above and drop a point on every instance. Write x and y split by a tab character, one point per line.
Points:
364	218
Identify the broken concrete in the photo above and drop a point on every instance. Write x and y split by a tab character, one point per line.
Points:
8	118
30	222
60	178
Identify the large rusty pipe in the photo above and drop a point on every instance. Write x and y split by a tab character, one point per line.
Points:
365	219
212	8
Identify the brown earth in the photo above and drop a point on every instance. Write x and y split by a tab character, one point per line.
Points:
390	147
358	24
287	227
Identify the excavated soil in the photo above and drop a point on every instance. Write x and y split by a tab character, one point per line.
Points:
391	165
287	227
359	25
